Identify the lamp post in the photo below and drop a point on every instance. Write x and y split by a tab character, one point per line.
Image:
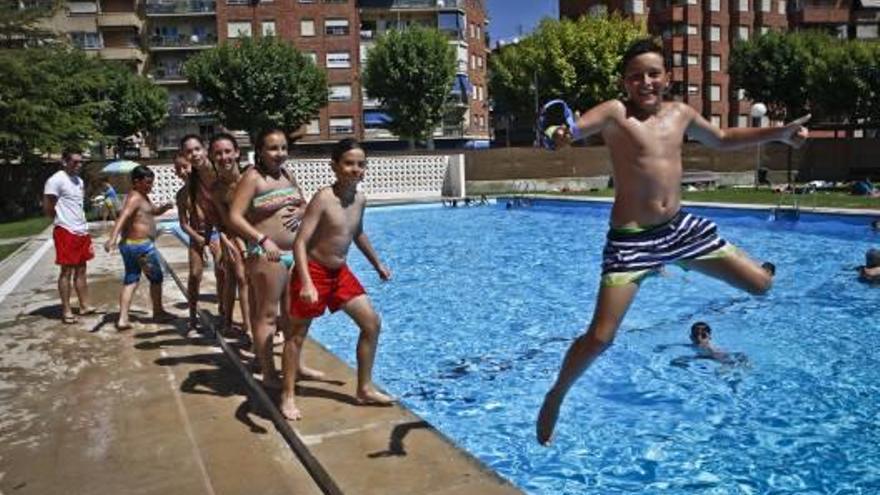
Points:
758	111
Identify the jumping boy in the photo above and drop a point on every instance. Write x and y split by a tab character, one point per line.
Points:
648	229
137	225
332	221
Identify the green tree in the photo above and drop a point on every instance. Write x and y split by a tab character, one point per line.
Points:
20	22
252	84
576	61
410	72
845	81
135	104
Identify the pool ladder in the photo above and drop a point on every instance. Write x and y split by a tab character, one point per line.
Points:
788	207
523	194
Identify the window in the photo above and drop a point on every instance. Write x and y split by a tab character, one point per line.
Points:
740	94
743	5
693	2
635	6
866	31
473	61
307	27
692	30
338	60
764	30
676	59
742	33
473	29
693	89
336	27
714	92
715	63
238	29
742	120
479	62
341	125
314	126
306	1
693	59
86	40
781	6
714	33
340	92
268	28
479	32
765	5
716	120
715	5
313	56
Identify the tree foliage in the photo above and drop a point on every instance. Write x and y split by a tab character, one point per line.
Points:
410	72
20	22
252	84
576	61
798	72
136	104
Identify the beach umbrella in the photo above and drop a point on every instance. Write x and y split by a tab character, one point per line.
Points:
119	167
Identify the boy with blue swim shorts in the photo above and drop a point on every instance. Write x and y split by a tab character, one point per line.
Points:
137	226
644	134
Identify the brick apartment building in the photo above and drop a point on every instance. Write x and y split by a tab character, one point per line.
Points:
157	37
698	35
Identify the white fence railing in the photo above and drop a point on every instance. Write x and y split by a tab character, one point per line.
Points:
398	177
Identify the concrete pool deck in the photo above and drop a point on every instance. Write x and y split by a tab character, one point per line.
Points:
87	409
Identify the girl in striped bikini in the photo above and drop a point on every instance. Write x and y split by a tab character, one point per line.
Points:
266	211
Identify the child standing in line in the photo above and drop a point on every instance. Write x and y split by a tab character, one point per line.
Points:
137	225
648	228
322	279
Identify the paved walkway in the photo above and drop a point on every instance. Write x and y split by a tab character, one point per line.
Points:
85	409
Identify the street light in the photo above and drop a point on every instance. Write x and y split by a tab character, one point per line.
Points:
759	110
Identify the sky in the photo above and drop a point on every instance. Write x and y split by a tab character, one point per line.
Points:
509	18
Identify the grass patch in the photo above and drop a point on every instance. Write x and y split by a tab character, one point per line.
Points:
7	249
22	228
824	199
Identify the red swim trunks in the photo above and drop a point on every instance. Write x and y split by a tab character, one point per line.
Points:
335	288
71	249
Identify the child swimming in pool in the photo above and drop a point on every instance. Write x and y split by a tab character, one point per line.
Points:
333	220
648	228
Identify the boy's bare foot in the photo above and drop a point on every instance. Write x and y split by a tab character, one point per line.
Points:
88	310
288	409
69	319
547	418
306	373
374	398
123	325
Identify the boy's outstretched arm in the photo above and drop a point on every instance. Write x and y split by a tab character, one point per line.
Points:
127	210
590	122
363	243
793	134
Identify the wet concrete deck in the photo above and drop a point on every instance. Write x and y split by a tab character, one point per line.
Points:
86	409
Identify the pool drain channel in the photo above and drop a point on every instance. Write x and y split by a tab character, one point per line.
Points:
320	475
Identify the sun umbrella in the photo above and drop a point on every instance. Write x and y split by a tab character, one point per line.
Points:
119	167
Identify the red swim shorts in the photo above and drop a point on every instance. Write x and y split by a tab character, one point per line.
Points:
71	249
335	288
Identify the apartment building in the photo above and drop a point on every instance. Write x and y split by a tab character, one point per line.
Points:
109	28
698	36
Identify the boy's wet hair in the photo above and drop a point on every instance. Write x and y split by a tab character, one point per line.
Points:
639	47
141	172
223	136
343	147
698	328
186	138
872	258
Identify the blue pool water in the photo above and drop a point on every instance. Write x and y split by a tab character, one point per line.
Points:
485	301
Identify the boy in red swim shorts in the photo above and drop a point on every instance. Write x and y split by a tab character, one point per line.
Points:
333	220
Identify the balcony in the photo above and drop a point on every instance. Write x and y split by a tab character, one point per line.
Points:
172	74
180	8
821	12
120	19
183	42
123	53
431	5
186	108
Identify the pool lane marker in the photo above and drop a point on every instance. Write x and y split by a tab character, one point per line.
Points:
23	270
320	475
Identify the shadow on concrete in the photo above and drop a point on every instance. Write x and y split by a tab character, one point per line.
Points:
395	444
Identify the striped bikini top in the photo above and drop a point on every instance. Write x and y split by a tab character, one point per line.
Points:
269	202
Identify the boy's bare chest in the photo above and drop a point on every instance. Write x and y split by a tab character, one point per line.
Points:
343	219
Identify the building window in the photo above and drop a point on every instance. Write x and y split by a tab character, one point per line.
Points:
479	62
479	32
635	6
340	92
692	30
676	59
473	61
715	63
341	125
740	94
238	29
742	120
314	126
307	27
313	56
781	7
714	92
336	27
715	5
268	28
765	5
742	33
716	120
693	89
306	1
764	30
338	60
743	5
693	2
866	31
714	33
693	59
86	40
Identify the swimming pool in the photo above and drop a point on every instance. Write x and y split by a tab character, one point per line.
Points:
484	302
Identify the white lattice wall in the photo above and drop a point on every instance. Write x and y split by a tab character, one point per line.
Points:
398	177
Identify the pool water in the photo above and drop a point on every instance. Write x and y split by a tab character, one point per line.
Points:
485	301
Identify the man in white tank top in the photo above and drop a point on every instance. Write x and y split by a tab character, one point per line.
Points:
63	202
